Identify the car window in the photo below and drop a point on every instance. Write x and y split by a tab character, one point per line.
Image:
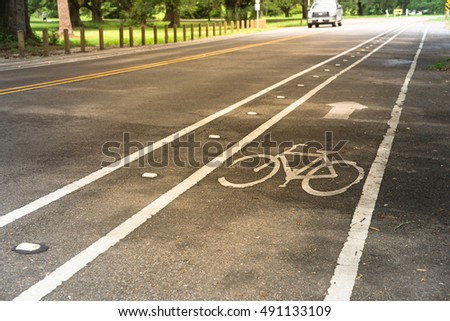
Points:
322	5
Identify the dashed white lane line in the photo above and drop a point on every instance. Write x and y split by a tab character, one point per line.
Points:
346	270
72	187
81	260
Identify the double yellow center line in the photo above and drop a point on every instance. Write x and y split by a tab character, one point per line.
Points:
8	91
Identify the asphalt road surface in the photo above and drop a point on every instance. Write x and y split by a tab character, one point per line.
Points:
296	164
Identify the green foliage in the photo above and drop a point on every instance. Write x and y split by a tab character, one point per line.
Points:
201	9
350	7
271	9
379	7
53	37
38	7
111	9
441	65
237	9
286	6
141	10
427	6
7	41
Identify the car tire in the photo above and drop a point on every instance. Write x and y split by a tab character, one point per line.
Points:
309	25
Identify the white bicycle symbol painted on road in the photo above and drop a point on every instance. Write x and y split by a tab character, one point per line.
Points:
319	172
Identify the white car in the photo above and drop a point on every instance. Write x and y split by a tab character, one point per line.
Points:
325	12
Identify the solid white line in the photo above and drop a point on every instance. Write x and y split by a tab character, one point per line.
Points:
79	261
72	187
344	277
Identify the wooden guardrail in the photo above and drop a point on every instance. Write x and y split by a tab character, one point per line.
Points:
215	28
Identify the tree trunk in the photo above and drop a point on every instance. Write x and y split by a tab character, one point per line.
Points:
74	8
172	15
286	11
360	9
230	10
64	17
96	8
305	9
14	17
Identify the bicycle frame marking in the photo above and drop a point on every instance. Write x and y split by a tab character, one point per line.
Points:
293	174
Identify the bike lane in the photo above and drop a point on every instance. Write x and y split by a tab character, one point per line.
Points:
406	255
266	242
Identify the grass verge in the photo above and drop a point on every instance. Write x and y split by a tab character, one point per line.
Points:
441	65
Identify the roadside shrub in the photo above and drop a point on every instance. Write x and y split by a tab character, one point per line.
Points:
7	41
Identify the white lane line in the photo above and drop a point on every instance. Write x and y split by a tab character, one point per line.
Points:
72	187
344	277
81	260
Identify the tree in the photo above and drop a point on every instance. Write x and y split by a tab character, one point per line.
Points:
197	9
14	17
172	12
141	10
304	4
350	6
286	6
74	9
64	17
96	8
126	4
237	9
430	6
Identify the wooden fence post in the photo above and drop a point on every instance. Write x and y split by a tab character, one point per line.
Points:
155	35
21	40
166	34
45	42
66	42
184	32
101	39
175	36
143	35
121	37
82	40
131	36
